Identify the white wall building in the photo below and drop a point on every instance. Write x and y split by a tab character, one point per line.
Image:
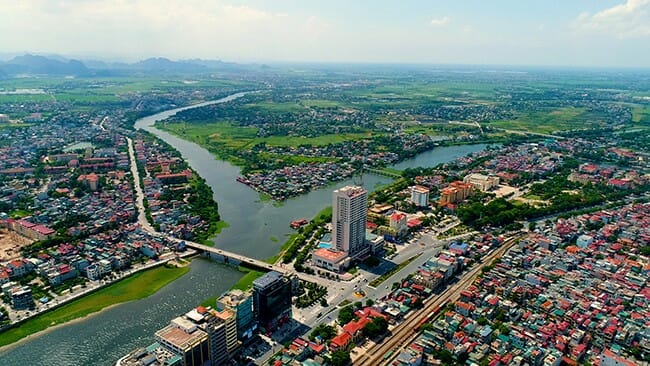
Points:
482	182
349	210
420	196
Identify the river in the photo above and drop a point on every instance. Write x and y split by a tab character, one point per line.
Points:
257	229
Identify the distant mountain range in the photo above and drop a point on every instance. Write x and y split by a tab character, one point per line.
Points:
57	65
41	65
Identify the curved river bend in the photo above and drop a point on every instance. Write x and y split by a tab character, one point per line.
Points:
257	229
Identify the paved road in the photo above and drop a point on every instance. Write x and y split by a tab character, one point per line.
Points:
144	223
405	332
139	194
426	246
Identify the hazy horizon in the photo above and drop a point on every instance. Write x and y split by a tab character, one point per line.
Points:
605	33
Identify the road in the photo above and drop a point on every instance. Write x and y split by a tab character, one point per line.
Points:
139	194
427	246
473	124
340	291
405	332
517	132
146	226
78	291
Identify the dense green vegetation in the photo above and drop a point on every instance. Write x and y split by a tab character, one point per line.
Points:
202	204
563	196
340	358
324	331
310	293
375	328
346	314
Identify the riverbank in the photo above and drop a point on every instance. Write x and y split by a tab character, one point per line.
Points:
117	330
137	286
250	275
284	177
29	337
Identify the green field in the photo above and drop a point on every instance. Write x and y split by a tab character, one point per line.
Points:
272	107
641	113
322	103
235	137
246	281
100	90
12	126
560	119
137	286
459	91
25	98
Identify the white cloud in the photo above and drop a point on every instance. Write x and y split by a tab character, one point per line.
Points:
245	13
439	22
628	20
135	29
265	30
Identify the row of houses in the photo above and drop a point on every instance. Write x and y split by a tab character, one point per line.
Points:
550	301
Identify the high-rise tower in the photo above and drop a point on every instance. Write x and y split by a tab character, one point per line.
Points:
349	210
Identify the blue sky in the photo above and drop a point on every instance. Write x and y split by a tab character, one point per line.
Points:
523	32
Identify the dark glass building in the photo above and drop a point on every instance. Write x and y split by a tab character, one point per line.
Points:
272	300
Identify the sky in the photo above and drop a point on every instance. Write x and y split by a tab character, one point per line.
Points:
608	33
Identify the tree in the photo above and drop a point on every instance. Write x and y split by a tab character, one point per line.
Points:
346	314
369	302
645	250
378	326
504	329
443	355
340	358
324	331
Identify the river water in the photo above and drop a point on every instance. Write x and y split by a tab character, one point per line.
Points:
257	229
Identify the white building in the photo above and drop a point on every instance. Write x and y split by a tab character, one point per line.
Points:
349	210
331	260
398	222
482	182
420	196
584	241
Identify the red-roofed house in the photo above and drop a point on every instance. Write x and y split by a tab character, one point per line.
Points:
619	183
609	358
355	328
182	177
19	268
31	230
341	342
398	222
